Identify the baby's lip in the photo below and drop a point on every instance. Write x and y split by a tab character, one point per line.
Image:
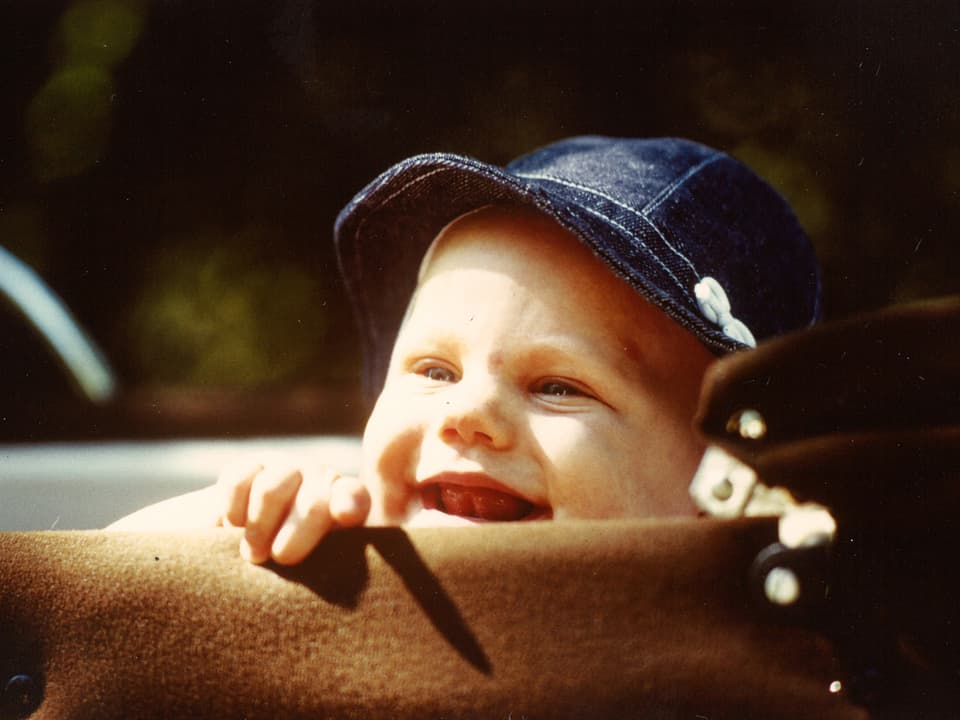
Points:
478	496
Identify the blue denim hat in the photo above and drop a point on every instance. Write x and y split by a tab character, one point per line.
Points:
694	231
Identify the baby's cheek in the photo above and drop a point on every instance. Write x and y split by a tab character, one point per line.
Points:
578	460
600	468
390	450
655	475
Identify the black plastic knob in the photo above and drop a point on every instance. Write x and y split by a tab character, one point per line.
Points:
21	696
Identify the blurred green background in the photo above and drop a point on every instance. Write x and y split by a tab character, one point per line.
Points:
173	168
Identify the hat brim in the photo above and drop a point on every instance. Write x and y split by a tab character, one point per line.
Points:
382	234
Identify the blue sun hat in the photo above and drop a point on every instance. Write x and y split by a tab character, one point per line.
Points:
692	230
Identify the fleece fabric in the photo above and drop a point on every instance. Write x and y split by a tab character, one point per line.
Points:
606	619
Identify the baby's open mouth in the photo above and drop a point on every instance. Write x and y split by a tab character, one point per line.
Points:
479	502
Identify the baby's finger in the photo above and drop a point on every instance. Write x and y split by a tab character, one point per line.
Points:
349	502
234	490
307	522
271	497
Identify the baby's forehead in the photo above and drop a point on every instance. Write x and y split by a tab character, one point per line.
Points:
570	291
520	242
520	246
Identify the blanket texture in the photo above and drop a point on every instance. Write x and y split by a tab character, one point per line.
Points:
632	619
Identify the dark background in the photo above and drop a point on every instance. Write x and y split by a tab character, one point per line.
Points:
173	168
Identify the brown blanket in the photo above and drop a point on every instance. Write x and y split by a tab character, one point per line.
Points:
584	619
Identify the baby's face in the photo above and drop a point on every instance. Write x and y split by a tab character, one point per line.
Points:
529	382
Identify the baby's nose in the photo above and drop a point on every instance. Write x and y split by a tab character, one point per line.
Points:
474	412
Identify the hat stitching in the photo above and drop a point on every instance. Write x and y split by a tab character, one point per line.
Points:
363	298
403	188
676	184
597	214
358	258
638	213
637	238
694	323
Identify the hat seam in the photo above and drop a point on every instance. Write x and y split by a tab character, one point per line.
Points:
360	269
639	240
374	205
403	188
383	238
679	182
604	218
605	196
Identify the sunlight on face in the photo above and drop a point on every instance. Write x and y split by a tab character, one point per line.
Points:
529	382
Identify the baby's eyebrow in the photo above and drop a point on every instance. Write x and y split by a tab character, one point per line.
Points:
624	357
430	341
579	353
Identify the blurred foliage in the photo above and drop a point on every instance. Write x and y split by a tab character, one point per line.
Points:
755	104
100	32
68	121
795	180
175	168
744	97
221	311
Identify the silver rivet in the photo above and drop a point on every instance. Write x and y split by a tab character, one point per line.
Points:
21	695
782	586
749	424
836	686
723	490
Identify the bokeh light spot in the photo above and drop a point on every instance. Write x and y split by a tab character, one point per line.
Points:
68	121
100	32
216	312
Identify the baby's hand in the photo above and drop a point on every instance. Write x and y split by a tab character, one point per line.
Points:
287	510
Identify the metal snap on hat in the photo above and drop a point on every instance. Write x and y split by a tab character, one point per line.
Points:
694	231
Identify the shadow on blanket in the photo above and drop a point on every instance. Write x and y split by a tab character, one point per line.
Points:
337	571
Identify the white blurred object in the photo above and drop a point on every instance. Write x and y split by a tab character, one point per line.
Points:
46	312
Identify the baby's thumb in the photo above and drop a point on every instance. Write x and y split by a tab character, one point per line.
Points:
349	502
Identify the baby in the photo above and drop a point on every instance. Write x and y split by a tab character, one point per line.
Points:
536	336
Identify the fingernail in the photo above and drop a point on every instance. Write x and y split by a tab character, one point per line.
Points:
343	505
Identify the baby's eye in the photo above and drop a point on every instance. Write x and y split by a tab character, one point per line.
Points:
435	371
555	389
558	389
439	374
